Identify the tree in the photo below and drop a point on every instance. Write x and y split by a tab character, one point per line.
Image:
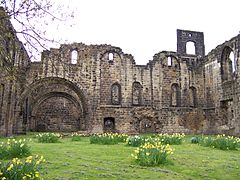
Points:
30	19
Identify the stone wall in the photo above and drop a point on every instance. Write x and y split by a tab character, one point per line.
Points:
99	88
175	92
14	63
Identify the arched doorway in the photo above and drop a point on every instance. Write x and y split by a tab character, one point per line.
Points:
56	112
54	104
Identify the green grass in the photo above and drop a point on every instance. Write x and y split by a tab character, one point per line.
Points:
80	159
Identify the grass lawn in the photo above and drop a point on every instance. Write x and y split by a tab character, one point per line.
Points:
82	160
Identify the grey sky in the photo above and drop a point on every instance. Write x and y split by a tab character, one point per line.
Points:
145	27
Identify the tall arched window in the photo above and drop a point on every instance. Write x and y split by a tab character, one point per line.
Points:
190	48
175	95
228	64
74	57
110	56
136	93
116	93
193	97
169	61
232	61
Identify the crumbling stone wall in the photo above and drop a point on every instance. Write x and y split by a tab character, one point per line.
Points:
14	62
222	86
99	88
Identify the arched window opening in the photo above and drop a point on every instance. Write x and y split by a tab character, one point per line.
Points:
175	95
110	57
169	61
228	64
191	48
136	93
193	97
74	57
116	94
232	61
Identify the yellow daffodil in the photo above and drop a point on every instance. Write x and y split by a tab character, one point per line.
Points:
10	167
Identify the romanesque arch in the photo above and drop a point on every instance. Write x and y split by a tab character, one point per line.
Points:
175	95
116	94
193	96
53	104
190	47
171	61
228	64
136	93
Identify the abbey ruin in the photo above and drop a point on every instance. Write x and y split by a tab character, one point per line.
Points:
99	88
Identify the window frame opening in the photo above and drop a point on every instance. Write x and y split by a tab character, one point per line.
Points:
191	48
74	56
169	61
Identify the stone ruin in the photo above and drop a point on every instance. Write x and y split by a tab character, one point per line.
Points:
99	88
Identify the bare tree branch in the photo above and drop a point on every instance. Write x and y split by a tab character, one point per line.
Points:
25	15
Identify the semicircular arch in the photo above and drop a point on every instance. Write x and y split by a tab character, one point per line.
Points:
50	93
42	86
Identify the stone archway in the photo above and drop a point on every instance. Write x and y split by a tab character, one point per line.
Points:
53	104
56	112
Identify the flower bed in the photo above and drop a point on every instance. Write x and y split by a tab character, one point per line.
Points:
48	137
173	139
14	148
221	142
152	154
21	170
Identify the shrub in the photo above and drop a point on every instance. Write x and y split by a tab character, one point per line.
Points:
48	137
107	138
221	142
21	170
13	148
173	139
152	154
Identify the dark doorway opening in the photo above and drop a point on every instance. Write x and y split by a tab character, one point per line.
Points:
109	124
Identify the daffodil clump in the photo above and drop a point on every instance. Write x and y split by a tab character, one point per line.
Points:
108	138
195	140
48	137
21	170
222	142
14	148
136	140
152	154
173	139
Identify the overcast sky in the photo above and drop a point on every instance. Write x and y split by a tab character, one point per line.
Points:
145	27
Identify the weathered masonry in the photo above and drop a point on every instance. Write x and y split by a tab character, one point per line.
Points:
99	88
